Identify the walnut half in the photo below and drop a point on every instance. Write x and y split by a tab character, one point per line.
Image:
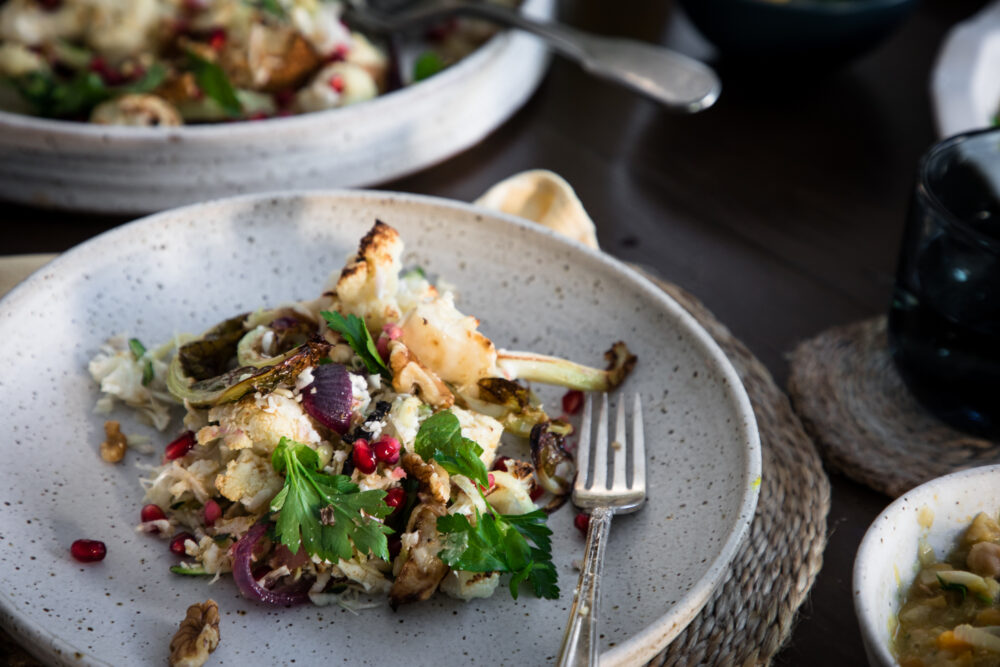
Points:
197	637
113	448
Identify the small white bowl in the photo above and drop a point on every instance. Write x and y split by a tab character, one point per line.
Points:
938	512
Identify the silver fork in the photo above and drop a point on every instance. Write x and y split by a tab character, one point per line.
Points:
674	80
624	492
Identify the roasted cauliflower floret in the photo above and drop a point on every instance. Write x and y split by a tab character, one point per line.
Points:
28	22
260	422
251	480
319	22
368	283
470	585
510	494
370	58
482	429
137	110
18	60
117	30
336	85
448	342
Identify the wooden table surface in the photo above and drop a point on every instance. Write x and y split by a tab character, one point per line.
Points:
781	208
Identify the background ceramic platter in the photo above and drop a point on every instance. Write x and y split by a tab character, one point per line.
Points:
184	270
104	169
966	81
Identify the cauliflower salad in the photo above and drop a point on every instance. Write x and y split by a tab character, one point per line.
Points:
349	446
173	62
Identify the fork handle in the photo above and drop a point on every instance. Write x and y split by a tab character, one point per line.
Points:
579	645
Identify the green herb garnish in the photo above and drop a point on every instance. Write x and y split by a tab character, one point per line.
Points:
326	514
962	589
215	84
427	65
500	543
54	98
354	331
139	351
148	82
440	438
195	571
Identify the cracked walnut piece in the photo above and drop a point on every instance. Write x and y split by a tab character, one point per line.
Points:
113	448
197	637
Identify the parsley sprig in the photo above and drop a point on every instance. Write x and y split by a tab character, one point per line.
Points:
354	331
500	543
518	544
326	514
440	438
212	81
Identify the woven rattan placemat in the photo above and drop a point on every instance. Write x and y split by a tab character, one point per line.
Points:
750	616
850	398
751	613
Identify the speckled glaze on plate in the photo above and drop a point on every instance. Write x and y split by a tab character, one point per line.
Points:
184	270
84	167
887	558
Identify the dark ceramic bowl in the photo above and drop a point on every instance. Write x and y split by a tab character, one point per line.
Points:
827	31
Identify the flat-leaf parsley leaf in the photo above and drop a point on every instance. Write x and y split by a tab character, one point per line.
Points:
440	438
500	543
326	514
354	331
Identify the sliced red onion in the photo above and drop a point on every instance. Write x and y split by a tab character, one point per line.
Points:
328	398
243	576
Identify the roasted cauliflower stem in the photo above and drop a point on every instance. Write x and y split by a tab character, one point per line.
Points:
351	445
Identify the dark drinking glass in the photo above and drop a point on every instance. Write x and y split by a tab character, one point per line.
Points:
944	320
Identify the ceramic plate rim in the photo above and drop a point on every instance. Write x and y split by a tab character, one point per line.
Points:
640	646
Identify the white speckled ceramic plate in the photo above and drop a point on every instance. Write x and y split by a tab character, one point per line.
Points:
84	167
965	85
186	269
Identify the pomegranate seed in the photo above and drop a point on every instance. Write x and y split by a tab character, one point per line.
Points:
491	479
212	512
259	115
337	83
501	463
88	551
395	546
572	401
582	522
177	543
536	492
217	39
151	513
179	447
284	98
394	498
387	449
392	330
50	5
363	457
339	53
